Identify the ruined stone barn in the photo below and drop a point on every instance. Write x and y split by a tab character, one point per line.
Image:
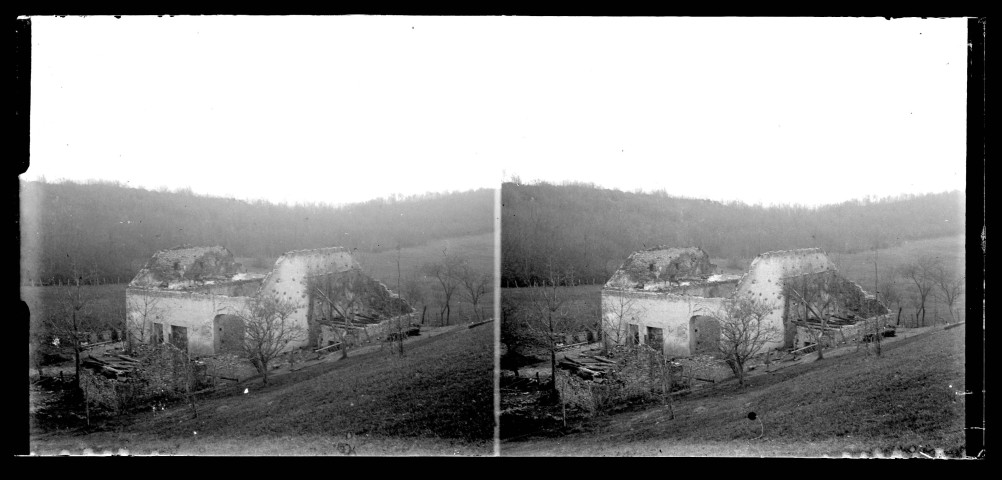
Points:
197	298
666	297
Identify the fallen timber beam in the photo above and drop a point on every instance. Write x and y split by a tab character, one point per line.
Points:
481	323
572	360
602	359
113	370
581	371
564	347
328	346
794	352
343	325
818	327
95	344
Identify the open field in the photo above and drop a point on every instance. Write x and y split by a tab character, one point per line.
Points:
581	302
437	399
908	402
477	249
858	267
105	302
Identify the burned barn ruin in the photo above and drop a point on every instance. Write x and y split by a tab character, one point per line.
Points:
197	298
665	296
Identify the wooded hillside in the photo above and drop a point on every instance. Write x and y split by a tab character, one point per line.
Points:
108	230
590	230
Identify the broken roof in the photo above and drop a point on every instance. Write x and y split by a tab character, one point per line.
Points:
662	264
187	264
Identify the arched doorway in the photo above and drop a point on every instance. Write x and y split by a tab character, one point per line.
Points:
704	334
228	333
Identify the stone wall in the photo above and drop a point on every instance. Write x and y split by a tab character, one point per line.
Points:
840	335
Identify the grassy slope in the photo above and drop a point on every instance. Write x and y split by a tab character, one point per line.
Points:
853	404
437	399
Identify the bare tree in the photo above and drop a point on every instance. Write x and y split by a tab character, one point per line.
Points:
66	324
615	315
819	294
339	296
141	311
548	317
922	273
475	284
516	334
268	330
951	286
415	295
446	271
891	296
743	331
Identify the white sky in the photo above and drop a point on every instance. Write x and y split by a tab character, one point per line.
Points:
345	109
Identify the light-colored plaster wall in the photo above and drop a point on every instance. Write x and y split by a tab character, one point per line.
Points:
669	312
194	311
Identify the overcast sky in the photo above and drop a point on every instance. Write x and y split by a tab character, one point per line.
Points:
345	109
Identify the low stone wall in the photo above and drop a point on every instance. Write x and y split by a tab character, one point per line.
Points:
841	335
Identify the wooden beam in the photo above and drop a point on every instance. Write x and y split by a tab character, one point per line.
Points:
328	346
571	346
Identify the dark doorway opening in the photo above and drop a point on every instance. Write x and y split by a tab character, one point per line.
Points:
656	338
179	337
229	334
704	334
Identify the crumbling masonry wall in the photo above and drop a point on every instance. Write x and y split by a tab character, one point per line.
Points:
764	282
662	265
186	266
288	281
191	286
673	304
